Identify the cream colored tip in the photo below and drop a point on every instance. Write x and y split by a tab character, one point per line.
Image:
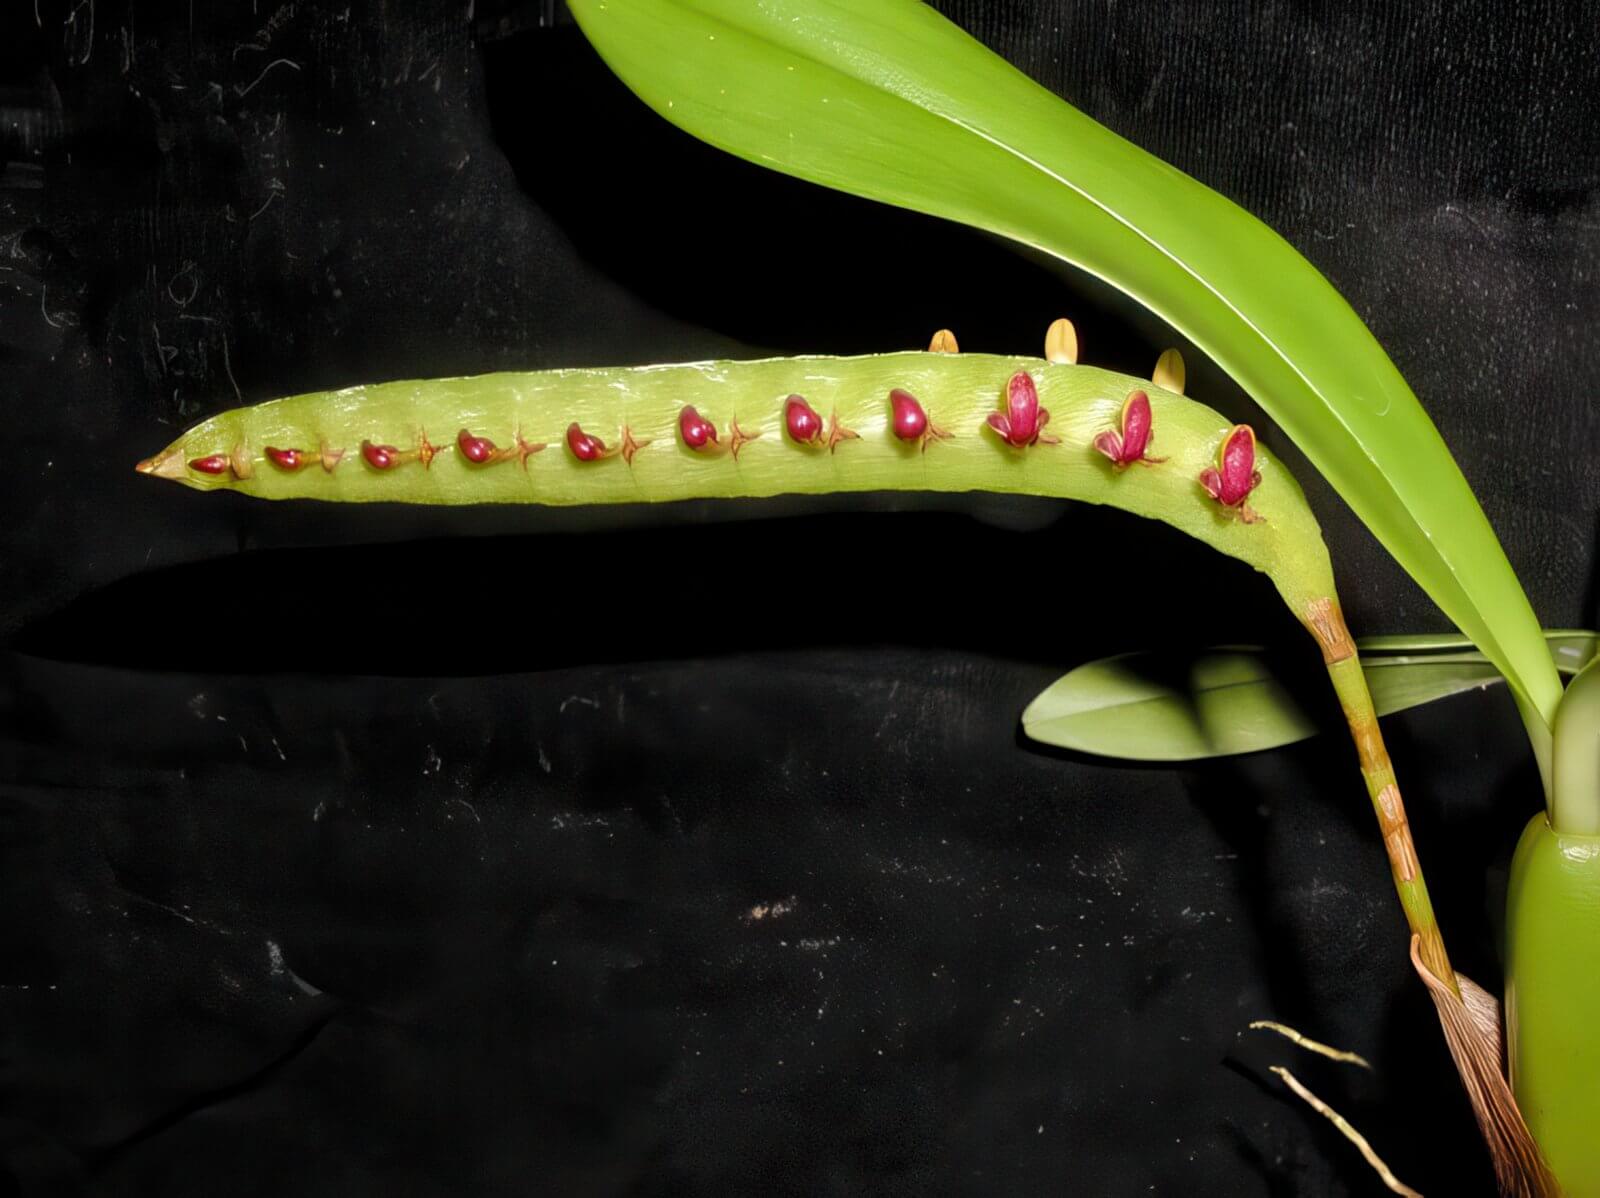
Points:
944	342
1061	343
1169	372
166	464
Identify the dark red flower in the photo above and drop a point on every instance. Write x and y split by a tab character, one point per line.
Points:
1128	444
1022	423
1234	476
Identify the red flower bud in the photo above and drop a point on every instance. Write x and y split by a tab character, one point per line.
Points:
476	450
1022	423
910	421
1128	444
801	420
285	459
1235	475
380	457
697	432
584	447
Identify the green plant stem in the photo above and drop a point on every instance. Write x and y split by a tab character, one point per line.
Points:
1575	771
1541	739
1326	623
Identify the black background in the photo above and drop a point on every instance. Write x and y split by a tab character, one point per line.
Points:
695	850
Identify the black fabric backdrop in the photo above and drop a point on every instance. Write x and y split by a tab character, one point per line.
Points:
696	850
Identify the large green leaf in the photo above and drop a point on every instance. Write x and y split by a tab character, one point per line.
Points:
1218	702
887	99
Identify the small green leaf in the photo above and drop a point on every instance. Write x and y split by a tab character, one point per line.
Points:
1169	707
1219	702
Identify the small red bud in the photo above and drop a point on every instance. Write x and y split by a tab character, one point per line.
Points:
477	450
217	463
801	420
380	457
910	421
1131	440
1235	475
584	447
1022	423
285	459
697	432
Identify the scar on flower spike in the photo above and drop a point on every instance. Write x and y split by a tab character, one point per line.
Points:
1234	476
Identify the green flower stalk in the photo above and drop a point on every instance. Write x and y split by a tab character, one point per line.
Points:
933	421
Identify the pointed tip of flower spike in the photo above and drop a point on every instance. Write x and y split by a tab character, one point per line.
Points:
1169	373
1061	342
943	342
168	463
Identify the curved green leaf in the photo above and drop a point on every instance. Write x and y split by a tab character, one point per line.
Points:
1218	702
888	100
